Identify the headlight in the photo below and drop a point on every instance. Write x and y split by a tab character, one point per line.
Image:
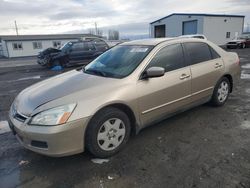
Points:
238	42
53	116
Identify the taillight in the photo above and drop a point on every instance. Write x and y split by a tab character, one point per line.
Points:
238	62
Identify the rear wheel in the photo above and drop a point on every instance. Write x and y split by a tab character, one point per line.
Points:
221	92
107	132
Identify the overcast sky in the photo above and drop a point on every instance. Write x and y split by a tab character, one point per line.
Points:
128	16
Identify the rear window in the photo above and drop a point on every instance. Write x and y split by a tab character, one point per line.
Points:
198	52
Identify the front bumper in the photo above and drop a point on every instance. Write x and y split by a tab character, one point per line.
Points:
233	45
55	141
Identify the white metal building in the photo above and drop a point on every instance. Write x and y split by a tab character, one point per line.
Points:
216	27
30	45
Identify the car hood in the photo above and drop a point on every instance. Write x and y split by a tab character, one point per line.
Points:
49	51
59	86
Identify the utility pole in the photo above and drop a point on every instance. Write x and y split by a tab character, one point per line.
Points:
95	28
16	28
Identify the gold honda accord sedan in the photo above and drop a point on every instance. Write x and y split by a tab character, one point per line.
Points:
130	86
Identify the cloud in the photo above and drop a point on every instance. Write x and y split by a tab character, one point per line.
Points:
65	16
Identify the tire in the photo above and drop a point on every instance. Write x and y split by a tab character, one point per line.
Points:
221	92
107	132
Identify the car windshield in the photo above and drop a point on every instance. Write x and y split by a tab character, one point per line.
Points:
66	46
119	61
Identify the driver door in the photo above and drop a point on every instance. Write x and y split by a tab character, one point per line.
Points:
161	96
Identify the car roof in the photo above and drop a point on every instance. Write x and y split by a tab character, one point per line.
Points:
148	42
156	41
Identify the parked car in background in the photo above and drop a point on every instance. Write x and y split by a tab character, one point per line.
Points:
82	51
242	41
197	36
130	86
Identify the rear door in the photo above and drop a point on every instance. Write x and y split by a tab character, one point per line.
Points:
163	95
206	68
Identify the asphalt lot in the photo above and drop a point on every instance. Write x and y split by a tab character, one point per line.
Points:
202	147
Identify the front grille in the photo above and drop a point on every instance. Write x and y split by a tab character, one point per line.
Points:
232	43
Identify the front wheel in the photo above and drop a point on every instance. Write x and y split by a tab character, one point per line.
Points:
107	132
221	92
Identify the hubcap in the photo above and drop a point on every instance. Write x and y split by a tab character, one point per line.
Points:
223	91
111	134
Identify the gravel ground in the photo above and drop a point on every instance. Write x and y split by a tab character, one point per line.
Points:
202	147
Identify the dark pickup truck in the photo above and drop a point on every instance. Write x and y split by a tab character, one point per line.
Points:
75	52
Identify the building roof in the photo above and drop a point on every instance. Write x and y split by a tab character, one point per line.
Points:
195	14
44	37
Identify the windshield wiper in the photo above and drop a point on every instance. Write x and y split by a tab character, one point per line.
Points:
96	72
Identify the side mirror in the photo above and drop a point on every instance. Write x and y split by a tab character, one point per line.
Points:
154	72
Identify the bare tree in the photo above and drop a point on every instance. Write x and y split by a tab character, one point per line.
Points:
91	31
99	32
113	34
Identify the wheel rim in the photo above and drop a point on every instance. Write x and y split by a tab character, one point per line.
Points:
111	134
223	91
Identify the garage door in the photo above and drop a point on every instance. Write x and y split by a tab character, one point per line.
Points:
189	27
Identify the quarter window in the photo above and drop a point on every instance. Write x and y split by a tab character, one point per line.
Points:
198	52
17	46
214	54
37	45
170	58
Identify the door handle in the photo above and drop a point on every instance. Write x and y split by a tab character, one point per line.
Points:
217	65
184	76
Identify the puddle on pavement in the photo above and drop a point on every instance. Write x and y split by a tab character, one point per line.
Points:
11	178
246	66
245	125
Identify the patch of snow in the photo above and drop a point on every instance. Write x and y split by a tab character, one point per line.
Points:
29	78
113	176
4	127
22	162
242	59
245	125
245	76
99	161
246	66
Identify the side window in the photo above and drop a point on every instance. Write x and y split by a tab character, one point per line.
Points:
214	54
88	46
100	45
17	46
198	52
77	46
170	58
